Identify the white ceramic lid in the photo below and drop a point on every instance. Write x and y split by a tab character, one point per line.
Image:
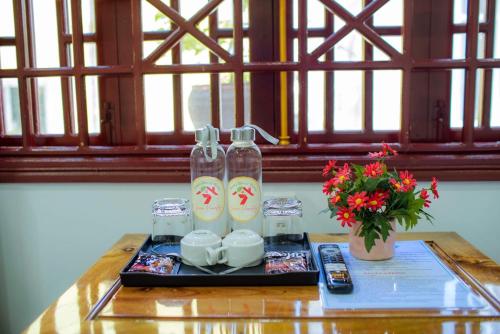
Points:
242	238
200	238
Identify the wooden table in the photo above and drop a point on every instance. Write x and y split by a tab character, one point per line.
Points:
98	303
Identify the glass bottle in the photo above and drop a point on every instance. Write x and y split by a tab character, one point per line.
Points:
207	182
244	174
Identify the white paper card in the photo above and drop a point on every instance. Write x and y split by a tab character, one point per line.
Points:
414	278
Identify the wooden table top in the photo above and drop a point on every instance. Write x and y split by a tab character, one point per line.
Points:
98	303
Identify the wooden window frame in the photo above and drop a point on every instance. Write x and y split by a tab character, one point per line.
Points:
471	154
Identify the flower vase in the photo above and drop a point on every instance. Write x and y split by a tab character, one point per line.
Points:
380	251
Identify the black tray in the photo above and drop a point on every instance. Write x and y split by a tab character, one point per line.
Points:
191	276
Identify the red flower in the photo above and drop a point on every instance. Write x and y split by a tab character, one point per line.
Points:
344	174
375	201
376	155
335	198
345	170
407	180
357	201
425	196
398	187
374	169
382	195
434	188
329	167
386	150
328	186
346	216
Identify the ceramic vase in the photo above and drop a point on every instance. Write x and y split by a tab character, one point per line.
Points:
380	251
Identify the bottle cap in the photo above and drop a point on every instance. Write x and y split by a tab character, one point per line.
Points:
242	134
208	137
204	134
247	133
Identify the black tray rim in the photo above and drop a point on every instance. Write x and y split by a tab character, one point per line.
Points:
139	279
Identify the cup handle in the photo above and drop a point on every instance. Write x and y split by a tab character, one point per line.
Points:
222	254
212	255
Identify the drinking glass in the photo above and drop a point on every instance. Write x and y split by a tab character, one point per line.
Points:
283	217
171	220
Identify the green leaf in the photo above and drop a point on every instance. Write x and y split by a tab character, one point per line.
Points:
371	184
358	170
385	227
324	211
370	238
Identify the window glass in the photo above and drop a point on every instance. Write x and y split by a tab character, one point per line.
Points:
8	57
387	100
316	101
457	98
196	104
391	14
45	33
92	99
348	100
90	54
88	16
158	103
395	41
7	28
152	18
315	14
495	99
10	106
149	46
460	11
50	107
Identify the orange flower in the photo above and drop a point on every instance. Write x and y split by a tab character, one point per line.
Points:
375	201
335	198
329	167
425	196
357	201
398	187
434	188
407	180
374	169
345	216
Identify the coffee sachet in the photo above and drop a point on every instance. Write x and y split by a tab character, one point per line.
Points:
285	262
153	263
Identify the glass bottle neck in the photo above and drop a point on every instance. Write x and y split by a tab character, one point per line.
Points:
243	143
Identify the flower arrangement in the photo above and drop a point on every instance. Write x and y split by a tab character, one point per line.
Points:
374	196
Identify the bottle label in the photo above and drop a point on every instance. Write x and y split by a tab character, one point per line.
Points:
244	198
208	198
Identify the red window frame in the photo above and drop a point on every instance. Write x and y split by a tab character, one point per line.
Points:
136	156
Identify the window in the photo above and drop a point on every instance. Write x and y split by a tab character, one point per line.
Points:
112	90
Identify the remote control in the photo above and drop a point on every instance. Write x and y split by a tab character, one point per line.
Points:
337	276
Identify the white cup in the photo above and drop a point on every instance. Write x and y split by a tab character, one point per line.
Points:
196	245
240	248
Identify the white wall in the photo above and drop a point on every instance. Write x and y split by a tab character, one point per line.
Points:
50	233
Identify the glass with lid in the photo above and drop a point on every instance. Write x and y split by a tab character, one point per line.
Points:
171	220
283	217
